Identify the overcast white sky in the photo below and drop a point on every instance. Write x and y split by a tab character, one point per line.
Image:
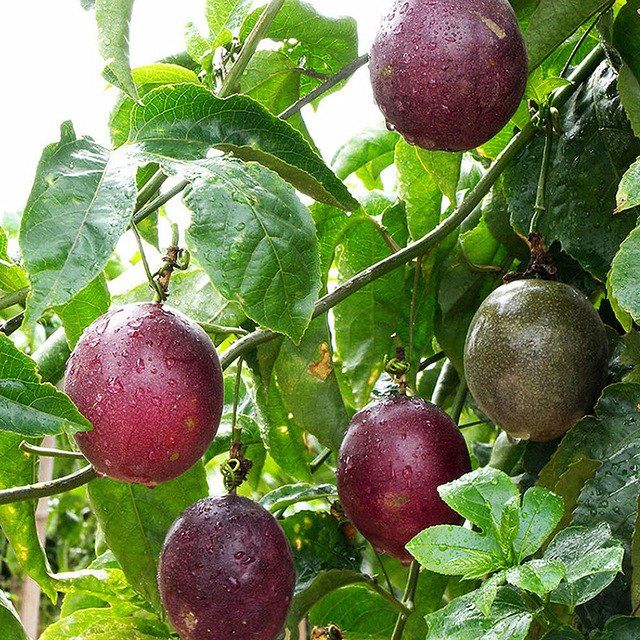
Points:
51	73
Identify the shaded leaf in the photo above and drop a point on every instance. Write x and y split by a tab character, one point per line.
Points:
10	625
623	277
289	494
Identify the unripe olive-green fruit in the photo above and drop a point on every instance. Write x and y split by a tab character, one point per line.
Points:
536	358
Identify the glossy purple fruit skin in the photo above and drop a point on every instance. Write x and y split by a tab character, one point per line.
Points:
395	455
149	380
449	75
226	572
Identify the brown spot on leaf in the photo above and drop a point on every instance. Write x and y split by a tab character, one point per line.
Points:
322	367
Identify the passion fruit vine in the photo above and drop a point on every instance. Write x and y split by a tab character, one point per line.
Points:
226	572
449	75
149	381
395	455
536	358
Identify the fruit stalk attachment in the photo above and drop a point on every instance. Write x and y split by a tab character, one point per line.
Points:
236	469
397	368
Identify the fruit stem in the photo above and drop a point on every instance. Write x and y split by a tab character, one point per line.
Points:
412	308
506	453
544	118
50	488
159	297
390	598
427	362
343	74
420	247
407	600
385	573
13	298
44	452
232	81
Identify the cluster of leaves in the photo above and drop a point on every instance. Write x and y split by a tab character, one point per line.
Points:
561	560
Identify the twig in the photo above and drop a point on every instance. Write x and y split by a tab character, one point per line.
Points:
46	452
407	600
50	488
152	282
427	362
345	73
320	459
156	203
259	31
150	188
402	607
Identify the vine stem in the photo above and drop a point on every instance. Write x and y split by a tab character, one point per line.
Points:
427	362
331	82
45	452
49	488
407	600
259	31
421	247
320	459
400	606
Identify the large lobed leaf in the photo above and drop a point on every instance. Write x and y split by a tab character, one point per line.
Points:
80	205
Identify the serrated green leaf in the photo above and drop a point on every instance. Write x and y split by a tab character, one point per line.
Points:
135	521
551	23
623	276
456	551
317	42
185	121
592	559
224	18
10	625
81	203
106	624
289	494
509	619
309	386
540	514
537	576
372	150
270	263
113	18
145	78
424	176
81	311
596	148
29	407
485	595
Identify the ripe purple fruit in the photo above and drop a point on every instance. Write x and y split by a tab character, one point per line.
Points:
536	358
396	454
449	75
226	571
149	380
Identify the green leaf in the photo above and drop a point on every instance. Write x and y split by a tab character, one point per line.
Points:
424	176
635	564
270	264
359	612
626	32
135	521
289	494
325	560
146	78
224	18
629	188
105	624
367	154
81	311
537	576
313	41
185	121
113	18
586	164
193	293
456	551
10	625
80	205
620	628
592	559
482	497
325	582
12	275
309	386
108	585
551	23
623	276
508	619
629	89
540	514
564	633
29	407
